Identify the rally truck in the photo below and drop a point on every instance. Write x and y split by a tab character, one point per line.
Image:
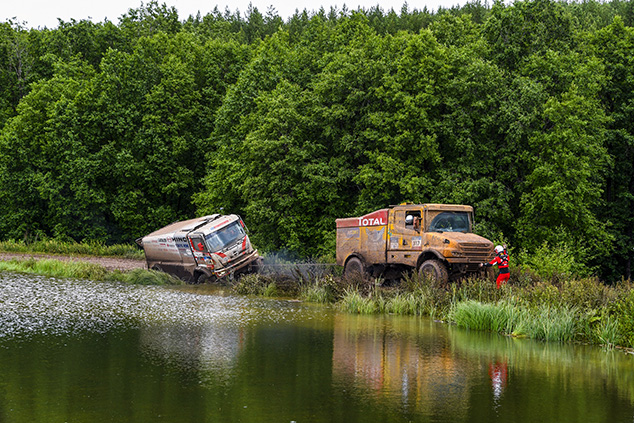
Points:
207	248
435	239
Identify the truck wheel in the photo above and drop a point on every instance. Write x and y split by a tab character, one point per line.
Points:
202	278
354	269
434	270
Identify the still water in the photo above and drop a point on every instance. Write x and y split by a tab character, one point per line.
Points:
73	351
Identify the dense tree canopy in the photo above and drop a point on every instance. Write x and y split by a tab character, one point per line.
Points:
525	111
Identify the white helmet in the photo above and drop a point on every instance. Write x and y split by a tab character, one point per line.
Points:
499	249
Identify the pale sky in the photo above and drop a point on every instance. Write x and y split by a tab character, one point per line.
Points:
44	13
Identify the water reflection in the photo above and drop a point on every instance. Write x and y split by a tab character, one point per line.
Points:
403	361
452	375
498	372
84	352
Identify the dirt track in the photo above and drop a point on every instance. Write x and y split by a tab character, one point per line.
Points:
110	263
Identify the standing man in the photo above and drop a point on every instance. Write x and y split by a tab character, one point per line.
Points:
502	260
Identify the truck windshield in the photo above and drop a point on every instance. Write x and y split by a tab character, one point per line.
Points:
224	237
450	222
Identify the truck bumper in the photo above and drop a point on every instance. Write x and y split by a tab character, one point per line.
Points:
237	265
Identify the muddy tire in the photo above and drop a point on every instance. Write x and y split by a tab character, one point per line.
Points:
434	270
354	269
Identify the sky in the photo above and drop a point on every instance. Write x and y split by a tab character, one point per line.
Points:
44	13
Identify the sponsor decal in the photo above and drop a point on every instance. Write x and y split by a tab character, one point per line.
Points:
371	221
375	235
377	218
394	243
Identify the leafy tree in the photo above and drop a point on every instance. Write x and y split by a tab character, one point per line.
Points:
525	28
45	179
148	20
615	46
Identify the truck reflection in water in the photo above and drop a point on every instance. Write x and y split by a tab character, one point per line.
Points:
401	360
206	350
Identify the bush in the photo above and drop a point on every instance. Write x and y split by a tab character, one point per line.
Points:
585	294
625	314
552	263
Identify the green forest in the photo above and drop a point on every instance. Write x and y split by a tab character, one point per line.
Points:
525	111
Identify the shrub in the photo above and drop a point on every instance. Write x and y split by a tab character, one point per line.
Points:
552	263
625	314
585	293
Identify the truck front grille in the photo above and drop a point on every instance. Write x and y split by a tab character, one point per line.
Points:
477	251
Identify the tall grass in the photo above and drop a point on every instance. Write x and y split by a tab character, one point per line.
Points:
607	332
354	302
544	323
90	248
88	271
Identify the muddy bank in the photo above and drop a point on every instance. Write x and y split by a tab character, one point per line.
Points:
110	263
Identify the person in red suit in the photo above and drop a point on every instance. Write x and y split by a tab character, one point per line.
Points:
501	259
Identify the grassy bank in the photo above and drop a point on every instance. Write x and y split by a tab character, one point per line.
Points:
562	309
546	306
51	246
89	271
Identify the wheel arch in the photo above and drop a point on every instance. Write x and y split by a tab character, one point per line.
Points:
355	255
430	254
199	271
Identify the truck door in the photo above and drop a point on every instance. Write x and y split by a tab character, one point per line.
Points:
199	249
405	236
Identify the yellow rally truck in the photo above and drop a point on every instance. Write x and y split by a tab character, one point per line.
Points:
435	239
203	249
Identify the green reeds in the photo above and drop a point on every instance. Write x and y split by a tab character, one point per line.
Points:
607	332
353	302
315	294
544	323
405	303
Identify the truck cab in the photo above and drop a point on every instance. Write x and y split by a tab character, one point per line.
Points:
435	239
202	249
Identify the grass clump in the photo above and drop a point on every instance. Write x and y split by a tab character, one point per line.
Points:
144	277
266	286
354	302
544	323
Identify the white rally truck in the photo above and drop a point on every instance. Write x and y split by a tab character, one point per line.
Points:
204	249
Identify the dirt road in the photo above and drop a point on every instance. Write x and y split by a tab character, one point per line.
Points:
110	263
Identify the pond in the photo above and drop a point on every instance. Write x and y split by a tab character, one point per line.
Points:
77	351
